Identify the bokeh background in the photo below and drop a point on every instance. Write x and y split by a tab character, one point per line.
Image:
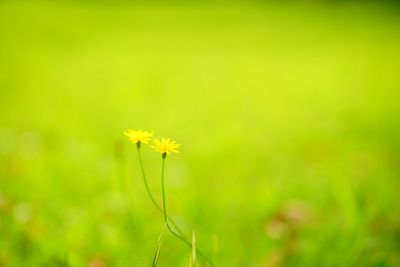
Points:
288	114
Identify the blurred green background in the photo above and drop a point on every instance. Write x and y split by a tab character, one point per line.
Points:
288	116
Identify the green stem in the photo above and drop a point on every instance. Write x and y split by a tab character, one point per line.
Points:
144	178
149	192
177	232
164	155
159	245
163	191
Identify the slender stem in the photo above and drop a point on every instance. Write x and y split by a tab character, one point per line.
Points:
163	190
149	192
166	216
177	232
159	245
144	178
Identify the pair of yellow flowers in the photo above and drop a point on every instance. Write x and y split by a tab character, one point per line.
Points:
164	145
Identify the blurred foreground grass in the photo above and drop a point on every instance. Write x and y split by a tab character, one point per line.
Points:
288	116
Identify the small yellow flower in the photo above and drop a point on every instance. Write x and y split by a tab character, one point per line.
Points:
165	146
137	137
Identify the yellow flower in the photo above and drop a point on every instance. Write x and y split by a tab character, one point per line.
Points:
137	137
165	146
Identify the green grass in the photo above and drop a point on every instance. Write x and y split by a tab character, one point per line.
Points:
288	117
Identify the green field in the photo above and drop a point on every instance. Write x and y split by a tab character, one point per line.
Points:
288	116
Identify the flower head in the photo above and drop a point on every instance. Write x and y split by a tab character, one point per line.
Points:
137	137
165	146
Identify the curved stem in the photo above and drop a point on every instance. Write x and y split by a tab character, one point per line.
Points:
145	180
166	216
149	192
